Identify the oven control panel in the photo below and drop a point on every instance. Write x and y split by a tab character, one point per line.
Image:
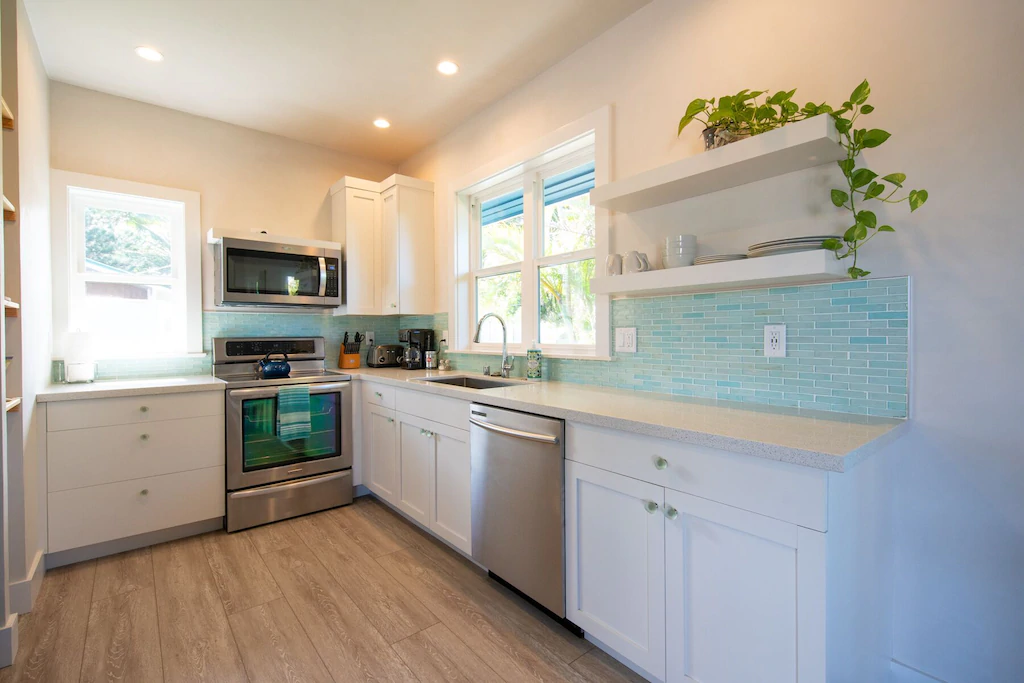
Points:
333	273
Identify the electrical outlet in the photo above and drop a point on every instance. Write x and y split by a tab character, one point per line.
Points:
369	338
625	340
443	340
774	341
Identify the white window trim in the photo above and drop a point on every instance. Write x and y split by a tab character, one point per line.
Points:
62	252
555	150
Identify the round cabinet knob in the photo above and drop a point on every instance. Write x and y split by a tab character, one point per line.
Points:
651	506
144	409
378	394
391	419
144	437
394	305
671	512
661	463
144	492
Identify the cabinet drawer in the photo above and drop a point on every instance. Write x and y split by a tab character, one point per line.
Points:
101	455
447	411
379	395
95	514
101	412
776	489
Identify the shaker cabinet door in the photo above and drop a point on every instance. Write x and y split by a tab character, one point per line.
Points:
615	562
415	462
381	451
450	517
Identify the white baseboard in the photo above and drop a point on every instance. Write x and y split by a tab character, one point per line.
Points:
901	673
9	641
23	593
638	670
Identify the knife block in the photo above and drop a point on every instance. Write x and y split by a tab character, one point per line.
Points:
349	361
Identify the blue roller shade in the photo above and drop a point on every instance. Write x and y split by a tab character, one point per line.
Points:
501	208
579	180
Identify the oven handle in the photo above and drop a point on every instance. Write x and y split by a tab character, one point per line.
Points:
323	276
301	483
260	392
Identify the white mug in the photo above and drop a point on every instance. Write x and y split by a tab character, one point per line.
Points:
613	264
635	262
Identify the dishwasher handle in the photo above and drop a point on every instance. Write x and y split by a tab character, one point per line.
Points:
517	433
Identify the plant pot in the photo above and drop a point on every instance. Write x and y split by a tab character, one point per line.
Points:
720	137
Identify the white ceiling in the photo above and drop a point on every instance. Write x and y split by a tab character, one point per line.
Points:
319	71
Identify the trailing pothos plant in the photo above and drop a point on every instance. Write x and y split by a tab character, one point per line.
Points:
742	115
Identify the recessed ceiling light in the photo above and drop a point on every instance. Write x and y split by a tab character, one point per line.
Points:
382	123
448	68
149	54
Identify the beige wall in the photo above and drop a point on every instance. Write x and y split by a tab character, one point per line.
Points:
945	80
247	180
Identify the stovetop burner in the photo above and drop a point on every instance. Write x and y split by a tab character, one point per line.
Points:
236	361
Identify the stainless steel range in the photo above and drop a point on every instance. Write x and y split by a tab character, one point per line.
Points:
270	478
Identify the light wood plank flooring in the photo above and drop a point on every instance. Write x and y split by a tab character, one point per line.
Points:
350	594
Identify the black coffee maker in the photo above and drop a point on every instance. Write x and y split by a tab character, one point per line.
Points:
418	342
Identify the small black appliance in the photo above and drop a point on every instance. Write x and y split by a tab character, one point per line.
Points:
418	342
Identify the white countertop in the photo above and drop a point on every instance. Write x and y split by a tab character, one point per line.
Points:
133	387
828	441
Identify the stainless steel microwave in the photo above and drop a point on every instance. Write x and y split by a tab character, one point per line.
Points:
254	273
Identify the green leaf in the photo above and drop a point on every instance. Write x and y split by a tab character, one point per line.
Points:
832	244
847	166
867	219
866	109
860	93
790	108
874	189
917	199
696	107
855	272
851	234
725	102
875	137
859	232
839	198
895	178
777	98
683	123
886	228
825	108
843	125
764	112
858	136
862	177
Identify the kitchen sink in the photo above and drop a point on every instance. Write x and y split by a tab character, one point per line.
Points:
473	382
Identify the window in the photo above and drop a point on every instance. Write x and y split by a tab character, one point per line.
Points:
132	276
534	243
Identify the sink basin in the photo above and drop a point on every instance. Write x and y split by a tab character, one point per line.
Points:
473	382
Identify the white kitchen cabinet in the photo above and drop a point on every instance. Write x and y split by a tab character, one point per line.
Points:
450	515
745	595
415	460
380	444
387	234
615	562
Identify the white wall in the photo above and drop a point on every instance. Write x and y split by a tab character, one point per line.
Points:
946	82
248	180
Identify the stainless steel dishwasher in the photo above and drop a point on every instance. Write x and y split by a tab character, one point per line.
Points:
518	511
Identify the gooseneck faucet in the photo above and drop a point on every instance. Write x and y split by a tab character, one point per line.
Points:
506	360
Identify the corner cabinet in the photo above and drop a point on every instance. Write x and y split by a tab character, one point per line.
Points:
386	231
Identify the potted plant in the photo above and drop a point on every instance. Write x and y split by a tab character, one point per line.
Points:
735	117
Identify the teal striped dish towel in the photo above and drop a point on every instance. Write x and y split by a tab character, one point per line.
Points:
293	412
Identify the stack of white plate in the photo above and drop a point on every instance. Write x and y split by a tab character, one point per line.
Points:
678	250
787	246
718	258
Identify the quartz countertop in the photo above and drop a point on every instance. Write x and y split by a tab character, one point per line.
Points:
827	441
133	387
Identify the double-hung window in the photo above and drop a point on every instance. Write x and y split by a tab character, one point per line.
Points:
533	242
132	274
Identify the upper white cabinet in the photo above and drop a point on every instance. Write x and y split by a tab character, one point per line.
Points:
387	234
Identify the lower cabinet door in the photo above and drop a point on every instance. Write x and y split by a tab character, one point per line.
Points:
615	563
450	516
415	462
745	595
381	451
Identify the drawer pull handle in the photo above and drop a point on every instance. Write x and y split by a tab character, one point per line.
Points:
427	433
144	437
650	506
144	409
671	512
661	463
144	492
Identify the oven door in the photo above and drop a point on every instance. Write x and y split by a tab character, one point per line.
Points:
254	272
255	454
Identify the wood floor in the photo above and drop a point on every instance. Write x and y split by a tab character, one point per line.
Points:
350	594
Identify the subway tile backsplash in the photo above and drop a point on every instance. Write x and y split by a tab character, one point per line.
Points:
847	346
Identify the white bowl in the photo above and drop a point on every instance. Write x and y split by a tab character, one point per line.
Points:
677	261
685	240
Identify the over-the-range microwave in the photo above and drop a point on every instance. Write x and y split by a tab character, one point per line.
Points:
254	273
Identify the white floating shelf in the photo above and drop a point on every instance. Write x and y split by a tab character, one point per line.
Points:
806	144
799	268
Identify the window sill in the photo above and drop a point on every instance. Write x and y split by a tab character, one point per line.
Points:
522	354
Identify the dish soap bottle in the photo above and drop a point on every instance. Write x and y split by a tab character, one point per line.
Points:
533	361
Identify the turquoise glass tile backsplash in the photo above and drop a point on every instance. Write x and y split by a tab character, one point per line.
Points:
847	346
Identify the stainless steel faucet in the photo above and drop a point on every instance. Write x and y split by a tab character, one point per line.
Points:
506	360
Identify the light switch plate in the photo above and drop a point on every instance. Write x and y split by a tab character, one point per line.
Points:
625	340
369	338
774	341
